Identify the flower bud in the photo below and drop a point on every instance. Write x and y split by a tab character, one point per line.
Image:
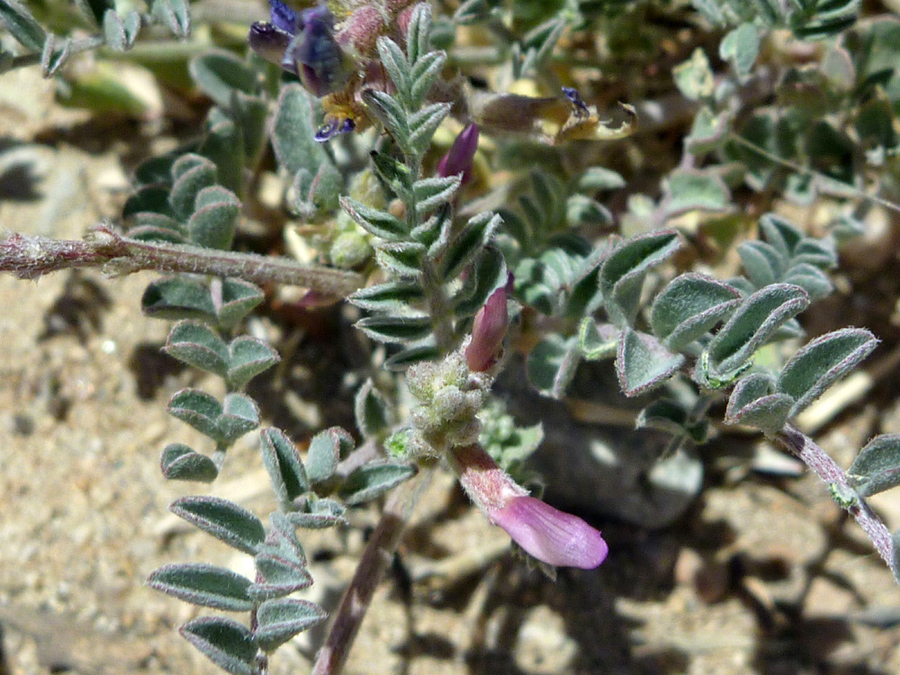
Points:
545	533
459	159
488	331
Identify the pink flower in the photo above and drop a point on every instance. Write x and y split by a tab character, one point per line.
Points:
488	331
545	533
460	156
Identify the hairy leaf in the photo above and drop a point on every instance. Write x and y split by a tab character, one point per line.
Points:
643	362
223	519
689	306
179	462
225	642
281	619
822	362
877	466
204	585
285	468
374	479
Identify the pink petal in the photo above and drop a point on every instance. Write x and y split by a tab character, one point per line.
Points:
488	331
550	535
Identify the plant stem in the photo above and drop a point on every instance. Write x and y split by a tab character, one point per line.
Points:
836	479
375	560
29	257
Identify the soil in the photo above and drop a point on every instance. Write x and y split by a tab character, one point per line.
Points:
761	574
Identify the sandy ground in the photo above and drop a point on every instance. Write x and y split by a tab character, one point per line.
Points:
760	575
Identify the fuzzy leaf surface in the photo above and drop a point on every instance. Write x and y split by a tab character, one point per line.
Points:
372	480
225	642
551	364
197	345
758	317
325	451
223	519
280	620
247	358
877	467
284	465
643	362
204	585
822	362
179	462
754	402
689	306
178	298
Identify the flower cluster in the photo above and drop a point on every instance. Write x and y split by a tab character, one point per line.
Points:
334	56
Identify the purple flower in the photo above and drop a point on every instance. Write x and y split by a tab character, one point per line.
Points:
545	533
305	45
460	156
550	535
488	330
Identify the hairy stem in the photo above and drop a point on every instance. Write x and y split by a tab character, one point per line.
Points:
369	572
29	257
836	479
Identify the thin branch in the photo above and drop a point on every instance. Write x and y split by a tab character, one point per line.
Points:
369	572
836	479
30	257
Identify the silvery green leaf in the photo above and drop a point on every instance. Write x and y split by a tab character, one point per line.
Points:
709	131
424	74
198	409
247	358
284	466
319	514
391	114
396	328
822	362
282	540
877	466
582	210
424	123
539	43
810	278
820	253
622	272
252	114
762	262
175	14
192	174
371	411
694	77
430	193
470	11
197	345
240	414
55	53
281	577
751	325
551	364
389	296
114	31
238	298
470	241
689	306
780	233
692	190
293	133
204	585
643	362
380	223
179	462
393	60
664	415
752	404
225	520
403	259
597	341
148	199
600	178
740	47
326	449
407	357
178	298
374	479
394	173
224	145
214	222
22	25
435	232
418	36
225	642
280	620
132	26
